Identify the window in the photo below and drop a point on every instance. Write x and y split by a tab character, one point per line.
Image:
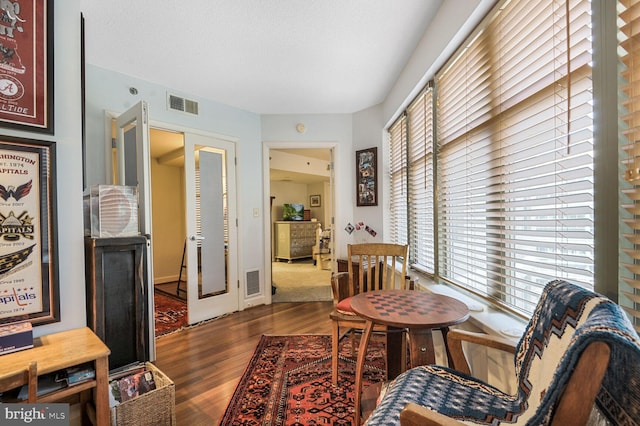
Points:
398	180
512	157
629	16
421	166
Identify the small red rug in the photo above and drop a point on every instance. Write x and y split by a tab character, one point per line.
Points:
170	314
288	382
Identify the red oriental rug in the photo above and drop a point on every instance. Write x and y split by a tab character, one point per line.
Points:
170	314
288	382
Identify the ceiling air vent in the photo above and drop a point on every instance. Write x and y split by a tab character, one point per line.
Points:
178	103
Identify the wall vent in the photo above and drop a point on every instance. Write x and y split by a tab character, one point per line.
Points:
253	282
178	103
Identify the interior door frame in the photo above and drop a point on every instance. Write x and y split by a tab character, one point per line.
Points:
266	208
138	114
110	115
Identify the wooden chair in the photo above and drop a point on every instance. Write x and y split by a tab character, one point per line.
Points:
579	347
322	250
371	266
25	376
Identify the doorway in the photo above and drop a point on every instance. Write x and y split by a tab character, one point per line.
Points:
177	161
300	251
193	205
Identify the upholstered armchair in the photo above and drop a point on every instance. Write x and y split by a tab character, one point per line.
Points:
578	349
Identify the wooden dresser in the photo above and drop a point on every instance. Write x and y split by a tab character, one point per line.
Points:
294	239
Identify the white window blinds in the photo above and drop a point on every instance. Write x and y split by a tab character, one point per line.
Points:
629	18
515	153
421	166
398	181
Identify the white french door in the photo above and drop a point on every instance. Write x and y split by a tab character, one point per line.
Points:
210	212
211	243
132	168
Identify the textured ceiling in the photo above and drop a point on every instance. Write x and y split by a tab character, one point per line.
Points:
293	174
264	56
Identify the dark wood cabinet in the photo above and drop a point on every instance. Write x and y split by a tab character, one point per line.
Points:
117	296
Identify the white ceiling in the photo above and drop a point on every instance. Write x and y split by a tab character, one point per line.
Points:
268	57
294	176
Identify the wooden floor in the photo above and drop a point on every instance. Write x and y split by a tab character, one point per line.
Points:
206	362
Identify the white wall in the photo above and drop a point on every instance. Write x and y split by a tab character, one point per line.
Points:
453	22
288	193
321	128
318	212
368	133
288	162
107	90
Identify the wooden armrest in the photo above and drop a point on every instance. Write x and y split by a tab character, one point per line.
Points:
417	415
455	337
339	286
580	392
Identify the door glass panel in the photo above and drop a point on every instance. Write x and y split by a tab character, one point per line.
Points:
130	156
129	159
211	221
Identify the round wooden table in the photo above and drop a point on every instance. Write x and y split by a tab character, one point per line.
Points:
418	312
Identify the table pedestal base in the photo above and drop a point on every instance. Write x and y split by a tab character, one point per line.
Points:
421	347
414	311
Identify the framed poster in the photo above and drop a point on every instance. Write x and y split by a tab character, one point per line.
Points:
314	200
26	65
367	177
28	242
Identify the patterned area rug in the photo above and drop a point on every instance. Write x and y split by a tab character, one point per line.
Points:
288	382
170	314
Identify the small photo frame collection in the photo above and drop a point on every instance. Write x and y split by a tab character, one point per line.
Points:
367	177
358	227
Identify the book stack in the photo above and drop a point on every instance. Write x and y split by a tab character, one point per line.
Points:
15	337
61	379
129	383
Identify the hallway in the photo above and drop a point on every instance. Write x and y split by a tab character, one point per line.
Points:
300	281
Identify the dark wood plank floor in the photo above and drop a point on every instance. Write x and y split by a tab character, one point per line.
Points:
206	362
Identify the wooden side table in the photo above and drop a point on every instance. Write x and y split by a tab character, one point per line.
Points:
417	311
66	349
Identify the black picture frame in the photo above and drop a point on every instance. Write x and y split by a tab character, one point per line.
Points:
315	200
367	177
83	102
26	75
29	285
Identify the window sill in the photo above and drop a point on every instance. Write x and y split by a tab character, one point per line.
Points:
485	316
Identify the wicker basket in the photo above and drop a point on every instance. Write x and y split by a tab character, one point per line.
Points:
157	407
